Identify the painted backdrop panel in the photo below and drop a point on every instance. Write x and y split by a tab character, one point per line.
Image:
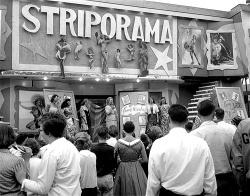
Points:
133	107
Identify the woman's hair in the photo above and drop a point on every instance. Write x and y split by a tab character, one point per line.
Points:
236	120
163	102
84	101
108	100
65	103
52	99
154	133
129	127
83	143
7	136
33	144
152	99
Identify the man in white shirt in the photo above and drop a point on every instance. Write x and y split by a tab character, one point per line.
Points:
220	145
219	114
59	173
179	163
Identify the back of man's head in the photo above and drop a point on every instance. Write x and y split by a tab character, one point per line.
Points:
178	114
102	132
205	108
219	114
54	124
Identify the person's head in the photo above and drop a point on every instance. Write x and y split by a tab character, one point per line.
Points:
54	98
20	138
84	102
113	131
109	101
83	142
129	127
189	126
66	103
118	50
102	132
163	100
178	115
145	140
7	136
206	108
33	144
219	114
151	100
36	112
236	120
52	126
154	133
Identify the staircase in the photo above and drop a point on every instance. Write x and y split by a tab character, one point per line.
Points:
205	91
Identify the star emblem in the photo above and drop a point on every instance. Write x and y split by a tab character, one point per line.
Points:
163	59
35	48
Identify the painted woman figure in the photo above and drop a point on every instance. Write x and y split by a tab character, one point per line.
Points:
152	111
103	40
111	113
131	50
90	54
37	110
164	116
143	58
118	59
54	104
66	110
84	116
62	49
189	46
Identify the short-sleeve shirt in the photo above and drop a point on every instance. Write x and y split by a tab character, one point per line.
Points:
10	165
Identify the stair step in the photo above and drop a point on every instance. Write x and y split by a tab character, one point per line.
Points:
207	87
193	103
204	91
192	107
209	83
193	112
192	116
204	94
199	98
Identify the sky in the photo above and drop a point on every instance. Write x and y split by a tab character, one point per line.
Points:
224	5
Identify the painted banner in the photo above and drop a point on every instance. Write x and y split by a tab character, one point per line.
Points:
231	100
133	107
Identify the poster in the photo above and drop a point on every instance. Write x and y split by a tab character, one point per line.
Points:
221	47
31	107
231	100
133	108
48	93
191	46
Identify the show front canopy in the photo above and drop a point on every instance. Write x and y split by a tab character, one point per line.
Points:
86	19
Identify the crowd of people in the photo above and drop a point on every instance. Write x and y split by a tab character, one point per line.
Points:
209	157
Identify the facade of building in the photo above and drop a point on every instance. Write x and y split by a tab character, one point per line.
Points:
98	49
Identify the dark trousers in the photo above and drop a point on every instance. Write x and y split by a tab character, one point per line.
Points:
89	192
245	191
165	192
227	185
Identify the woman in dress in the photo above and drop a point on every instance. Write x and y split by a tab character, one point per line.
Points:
164	116
111	113
54	104
152	111
66	110
12	168
84	117
130	178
